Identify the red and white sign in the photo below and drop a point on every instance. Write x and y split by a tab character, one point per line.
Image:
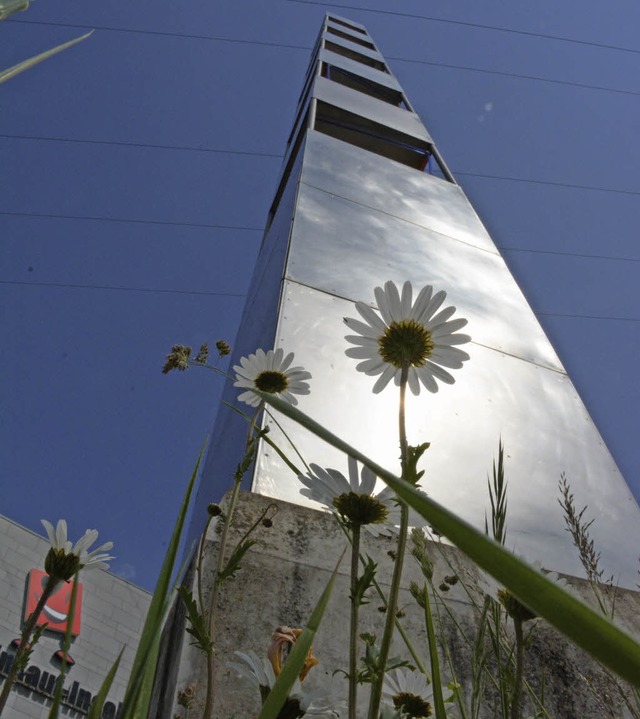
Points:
56	611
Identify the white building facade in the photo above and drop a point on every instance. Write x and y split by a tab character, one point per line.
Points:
110	613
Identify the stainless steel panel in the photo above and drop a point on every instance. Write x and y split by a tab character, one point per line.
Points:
349	21
374	181
373	109
336	40
347	249
357	68
349	31
353	34
536	411
257	329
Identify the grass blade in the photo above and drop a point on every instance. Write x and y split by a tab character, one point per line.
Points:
98	702
137	695
586	628
295	661
30	62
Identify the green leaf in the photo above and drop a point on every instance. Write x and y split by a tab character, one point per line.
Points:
138	692
586	628
100	697
365	581
198	628
233	565
30	62
414	454
297	656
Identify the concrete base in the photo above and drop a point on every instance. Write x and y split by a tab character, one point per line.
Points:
282	577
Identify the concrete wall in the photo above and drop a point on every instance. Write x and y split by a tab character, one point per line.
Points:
283	576
113	612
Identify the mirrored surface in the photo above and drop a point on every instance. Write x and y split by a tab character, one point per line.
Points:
347	249
535	410
356	47
370	73
376	110
376	182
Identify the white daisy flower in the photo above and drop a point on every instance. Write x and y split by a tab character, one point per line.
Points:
270	372
259	673
354	499
407	332
410	693
64	560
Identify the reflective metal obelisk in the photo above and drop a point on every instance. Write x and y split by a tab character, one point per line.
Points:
364	197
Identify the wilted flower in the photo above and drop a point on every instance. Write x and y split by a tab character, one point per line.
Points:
407	333
353	500
282	641
63	560
178	359
187	696
270	372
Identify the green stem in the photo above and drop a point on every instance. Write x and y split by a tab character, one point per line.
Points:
392	603
401	630
402	427
57	700
213	601
516	709
353	635
29	626
438	699
209	699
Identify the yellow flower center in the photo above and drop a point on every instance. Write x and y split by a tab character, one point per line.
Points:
407	342
272	382
360	509
412	704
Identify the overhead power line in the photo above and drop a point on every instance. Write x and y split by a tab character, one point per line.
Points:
584	255
308	48
586	317
131	220
592	188
119	288
162	33
124	289
519	76
190	148
479	26
145	145
570	254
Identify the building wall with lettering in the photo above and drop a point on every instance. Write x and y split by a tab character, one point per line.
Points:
112	614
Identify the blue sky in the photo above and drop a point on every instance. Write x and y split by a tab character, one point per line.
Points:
137	169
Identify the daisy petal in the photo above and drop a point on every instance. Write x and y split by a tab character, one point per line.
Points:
422	302
405	300
413	381
384	379
369	315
